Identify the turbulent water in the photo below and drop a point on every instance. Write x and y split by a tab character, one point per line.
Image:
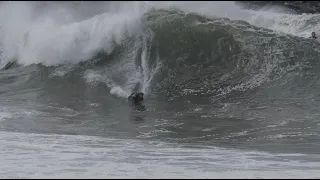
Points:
229	93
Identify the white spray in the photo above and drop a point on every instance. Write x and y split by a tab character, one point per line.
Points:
30	37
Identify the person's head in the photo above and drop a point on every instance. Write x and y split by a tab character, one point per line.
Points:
313	34
138	97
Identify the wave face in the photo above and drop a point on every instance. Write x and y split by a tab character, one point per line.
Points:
212	73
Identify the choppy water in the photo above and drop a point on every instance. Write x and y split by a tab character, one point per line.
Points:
230	93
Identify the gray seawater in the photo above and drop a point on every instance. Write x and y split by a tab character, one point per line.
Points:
229	93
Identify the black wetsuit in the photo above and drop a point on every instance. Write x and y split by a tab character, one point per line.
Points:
136	97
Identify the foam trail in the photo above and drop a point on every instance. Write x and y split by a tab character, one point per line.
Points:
147	71
142	74
144	61
128	75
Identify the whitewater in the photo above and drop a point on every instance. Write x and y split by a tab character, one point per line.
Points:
229	92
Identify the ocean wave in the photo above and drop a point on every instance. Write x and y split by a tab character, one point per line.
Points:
211	72
162	50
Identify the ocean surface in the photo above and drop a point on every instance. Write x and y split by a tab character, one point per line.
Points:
229	92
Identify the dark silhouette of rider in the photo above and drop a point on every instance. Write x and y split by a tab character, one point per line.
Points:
313	35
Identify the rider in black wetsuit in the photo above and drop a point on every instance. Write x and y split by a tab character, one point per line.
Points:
313	35
136	97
